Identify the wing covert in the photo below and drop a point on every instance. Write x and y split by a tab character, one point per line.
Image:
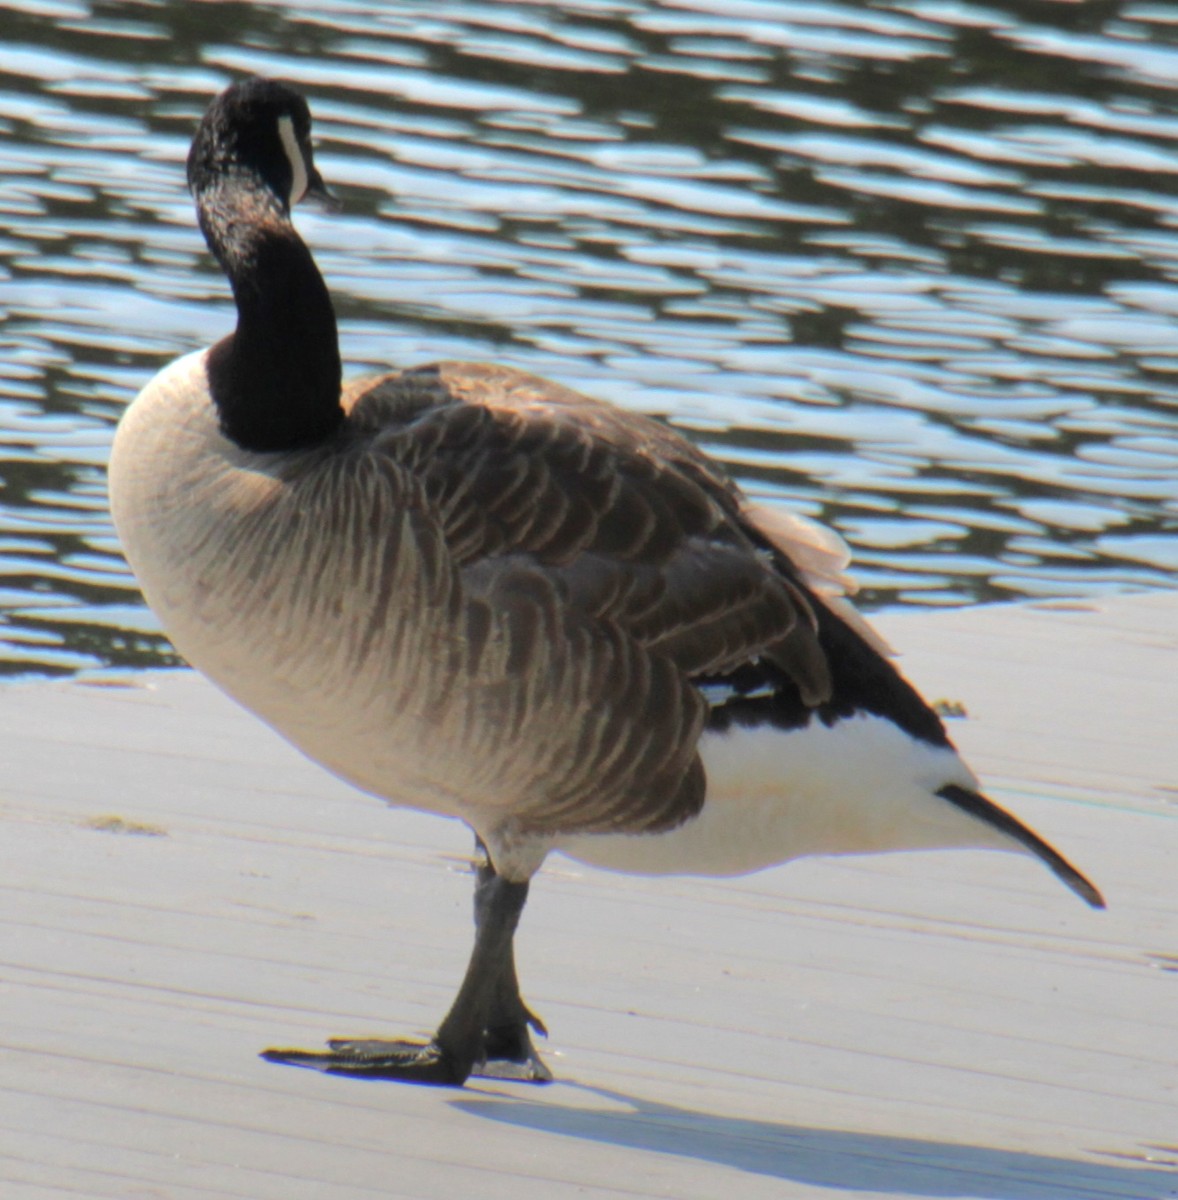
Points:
618	565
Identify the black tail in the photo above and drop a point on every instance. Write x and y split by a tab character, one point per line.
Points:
986	810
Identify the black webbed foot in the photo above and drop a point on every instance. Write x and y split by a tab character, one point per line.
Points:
487	1030
408	1062
506	1053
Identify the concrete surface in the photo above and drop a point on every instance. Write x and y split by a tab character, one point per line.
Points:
179	889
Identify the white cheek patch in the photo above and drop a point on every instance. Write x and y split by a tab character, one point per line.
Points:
298	164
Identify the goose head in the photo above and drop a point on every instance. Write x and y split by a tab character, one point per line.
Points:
260	129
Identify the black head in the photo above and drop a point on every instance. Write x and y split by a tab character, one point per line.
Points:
263	128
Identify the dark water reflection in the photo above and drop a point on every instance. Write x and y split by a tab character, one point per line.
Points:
909	267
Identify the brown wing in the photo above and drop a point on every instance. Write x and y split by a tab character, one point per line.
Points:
605	563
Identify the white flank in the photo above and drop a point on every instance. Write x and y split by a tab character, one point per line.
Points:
298	166
857	787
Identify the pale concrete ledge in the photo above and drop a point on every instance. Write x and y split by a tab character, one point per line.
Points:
180	889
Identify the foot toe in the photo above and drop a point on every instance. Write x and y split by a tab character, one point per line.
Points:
408	1062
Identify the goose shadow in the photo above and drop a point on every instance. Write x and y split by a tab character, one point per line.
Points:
829	1158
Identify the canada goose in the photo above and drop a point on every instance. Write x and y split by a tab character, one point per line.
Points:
476	593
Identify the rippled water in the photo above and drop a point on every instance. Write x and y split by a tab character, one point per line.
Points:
910	267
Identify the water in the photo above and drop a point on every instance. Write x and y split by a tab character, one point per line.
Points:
911	268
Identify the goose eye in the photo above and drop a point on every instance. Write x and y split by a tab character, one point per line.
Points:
299	173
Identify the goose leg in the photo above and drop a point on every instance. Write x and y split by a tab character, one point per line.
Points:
508	1052
484	1033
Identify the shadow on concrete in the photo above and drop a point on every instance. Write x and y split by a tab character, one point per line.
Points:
830	1158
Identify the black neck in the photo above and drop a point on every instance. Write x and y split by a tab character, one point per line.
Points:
276	380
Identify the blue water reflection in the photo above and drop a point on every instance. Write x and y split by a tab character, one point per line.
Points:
911	268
